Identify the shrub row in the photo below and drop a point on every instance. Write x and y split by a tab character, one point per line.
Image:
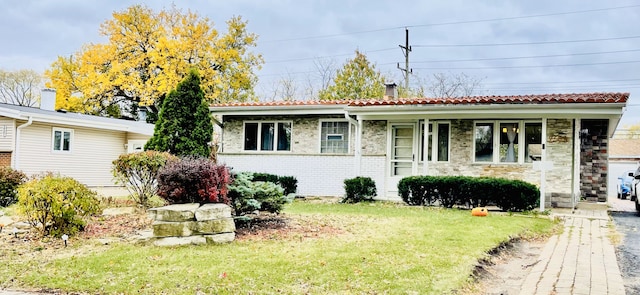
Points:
447	191
288	183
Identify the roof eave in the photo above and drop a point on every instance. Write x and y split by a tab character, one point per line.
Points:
278	110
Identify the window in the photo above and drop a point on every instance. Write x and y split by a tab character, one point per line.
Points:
483	142
441	136
509	142
507	138
532	141
334	137
267	136
62	139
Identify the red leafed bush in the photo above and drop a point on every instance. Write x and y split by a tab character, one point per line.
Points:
194	180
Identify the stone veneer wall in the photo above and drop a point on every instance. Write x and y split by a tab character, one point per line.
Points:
594	160
305	140
184	224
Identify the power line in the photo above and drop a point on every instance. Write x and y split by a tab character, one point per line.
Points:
563	82
526	43
448	23
522	57
536	66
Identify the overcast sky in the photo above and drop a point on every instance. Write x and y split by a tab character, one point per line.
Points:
515	47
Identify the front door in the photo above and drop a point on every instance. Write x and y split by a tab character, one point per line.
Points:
402	157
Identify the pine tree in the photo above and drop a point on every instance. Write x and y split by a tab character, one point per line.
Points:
184	124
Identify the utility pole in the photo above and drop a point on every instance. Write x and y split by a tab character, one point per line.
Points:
405	50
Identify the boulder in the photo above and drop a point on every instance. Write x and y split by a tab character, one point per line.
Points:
176	212
220	238
173	229
118	211
180	241
216	226
213	211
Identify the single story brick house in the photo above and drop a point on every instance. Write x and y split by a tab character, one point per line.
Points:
322	143
37	140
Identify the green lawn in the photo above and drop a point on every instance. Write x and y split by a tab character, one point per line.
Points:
377	248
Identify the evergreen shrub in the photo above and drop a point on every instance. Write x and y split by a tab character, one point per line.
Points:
447	191
9	181
288	183
248	195
359	189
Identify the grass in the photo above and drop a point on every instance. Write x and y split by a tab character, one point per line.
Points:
379	248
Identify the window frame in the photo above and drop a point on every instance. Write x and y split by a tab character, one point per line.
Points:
434	141
349	136
496	141
53	140
259	135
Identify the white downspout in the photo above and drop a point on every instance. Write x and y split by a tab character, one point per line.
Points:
425	151
543	160
15	155
358	143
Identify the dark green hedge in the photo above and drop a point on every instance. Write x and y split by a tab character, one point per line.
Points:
359	189
447	191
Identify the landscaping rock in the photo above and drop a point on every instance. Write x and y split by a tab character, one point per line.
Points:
176	212
213	211
180	241
224	225
220	238
118	211
6	220
173	229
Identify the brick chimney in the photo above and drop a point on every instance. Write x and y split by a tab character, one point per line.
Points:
48	99
390	91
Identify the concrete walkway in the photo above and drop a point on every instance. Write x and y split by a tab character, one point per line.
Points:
581	260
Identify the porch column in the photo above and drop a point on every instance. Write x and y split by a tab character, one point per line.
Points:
358	148
543	154
425	151
575	163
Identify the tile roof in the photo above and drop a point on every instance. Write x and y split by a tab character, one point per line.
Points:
511	99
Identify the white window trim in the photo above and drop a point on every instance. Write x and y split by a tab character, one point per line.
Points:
320	121
132	143
496	141
275	136
53	138
434	141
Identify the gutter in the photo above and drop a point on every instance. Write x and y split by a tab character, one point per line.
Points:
15	154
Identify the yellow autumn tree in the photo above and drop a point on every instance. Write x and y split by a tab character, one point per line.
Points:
148	53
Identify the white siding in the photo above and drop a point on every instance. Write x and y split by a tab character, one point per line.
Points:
89	161
7	131
616	169
318	175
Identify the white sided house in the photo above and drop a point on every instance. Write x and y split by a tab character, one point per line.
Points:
559	140
36	140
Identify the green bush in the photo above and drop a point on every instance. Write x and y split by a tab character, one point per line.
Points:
248	195
508	195
56	205
9	181
288	183
194	180
359	189
138	173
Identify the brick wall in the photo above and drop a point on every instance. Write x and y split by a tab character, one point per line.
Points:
5	159
594	160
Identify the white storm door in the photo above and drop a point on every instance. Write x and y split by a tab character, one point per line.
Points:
402	157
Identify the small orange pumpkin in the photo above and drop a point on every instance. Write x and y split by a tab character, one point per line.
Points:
480	211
